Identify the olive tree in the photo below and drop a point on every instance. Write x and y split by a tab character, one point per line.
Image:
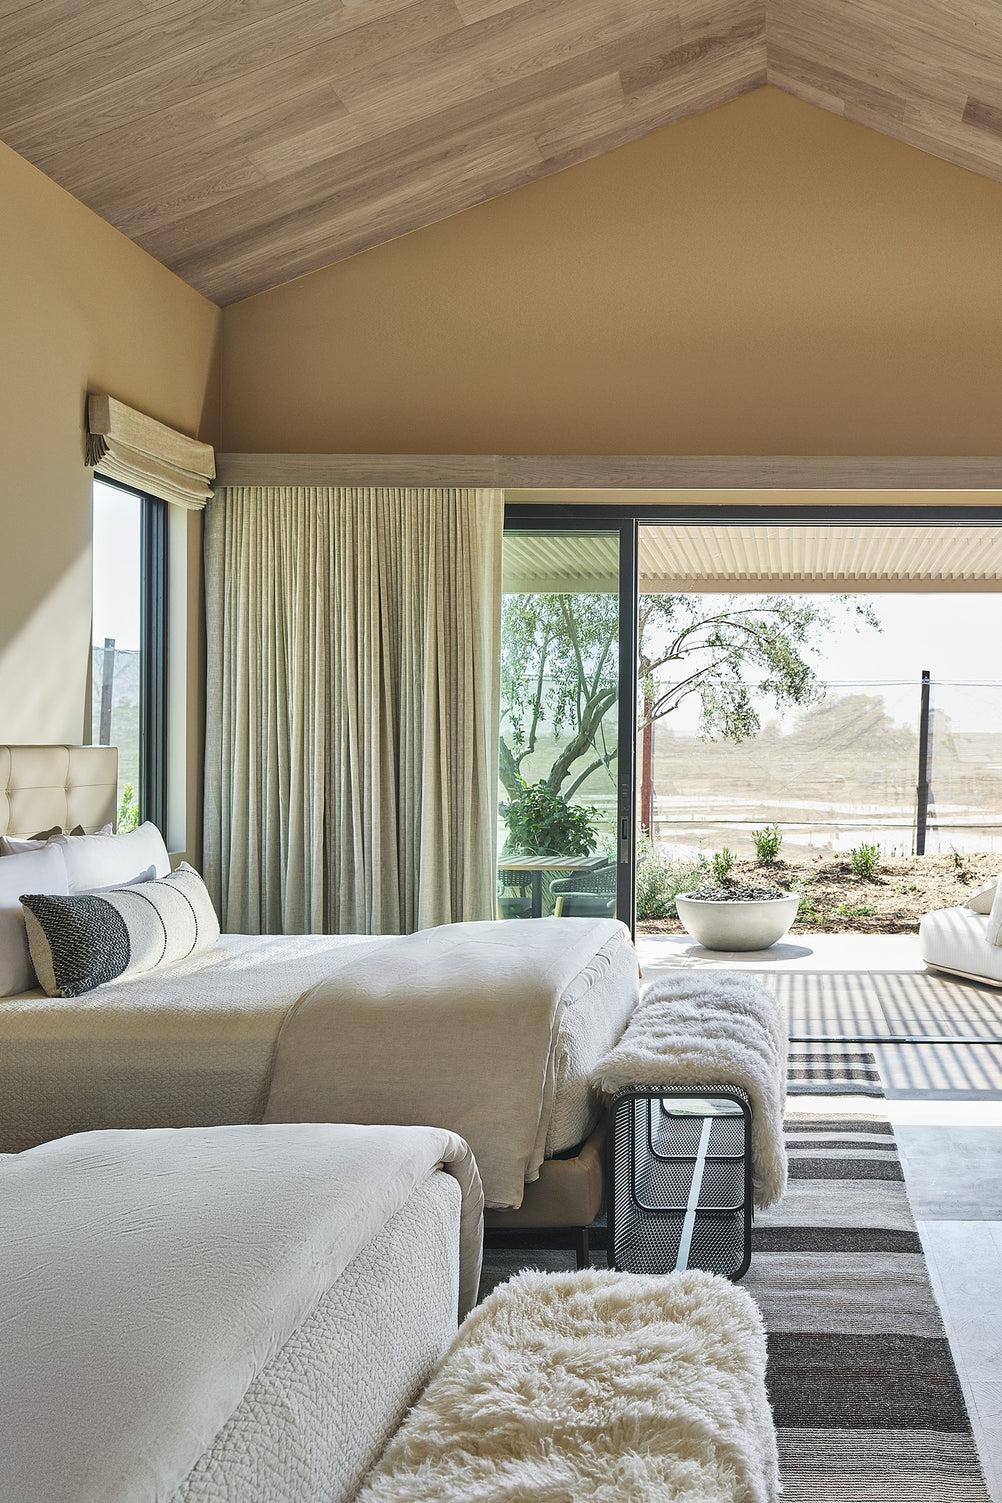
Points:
732	654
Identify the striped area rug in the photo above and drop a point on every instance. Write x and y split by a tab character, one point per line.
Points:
820	1069
865	1394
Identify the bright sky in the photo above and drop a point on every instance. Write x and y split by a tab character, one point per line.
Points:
956	637
116	566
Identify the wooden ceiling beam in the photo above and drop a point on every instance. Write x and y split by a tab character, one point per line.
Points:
731	472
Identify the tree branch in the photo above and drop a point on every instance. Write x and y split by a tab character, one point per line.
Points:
582	777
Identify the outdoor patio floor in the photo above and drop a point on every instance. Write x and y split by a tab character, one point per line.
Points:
945	1100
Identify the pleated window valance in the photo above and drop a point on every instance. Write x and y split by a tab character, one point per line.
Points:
135	449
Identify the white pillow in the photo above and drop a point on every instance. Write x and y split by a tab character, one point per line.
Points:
981	901
33	871
994	928
11	845
109	860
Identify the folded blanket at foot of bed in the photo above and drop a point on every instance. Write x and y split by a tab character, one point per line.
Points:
718	1029
597	1385
458	1025
151	1281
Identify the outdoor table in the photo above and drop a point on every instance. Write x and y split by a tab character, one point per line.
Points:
537	865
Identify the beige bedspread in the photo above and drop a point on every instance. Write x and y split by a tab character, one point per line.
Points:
463	1018
195	1045
147	1279
189	1046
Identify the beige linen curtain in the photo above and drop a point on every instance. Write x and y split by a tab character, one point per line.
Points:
352	707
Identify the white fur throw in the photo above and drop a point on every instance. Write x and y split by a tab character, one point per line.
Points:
597	1385
718	1029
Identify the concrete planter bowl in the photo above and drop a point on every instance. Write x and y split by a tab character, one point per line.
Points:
737	923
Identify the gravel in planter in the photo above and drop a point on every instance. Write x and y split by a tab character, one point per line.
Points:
735	891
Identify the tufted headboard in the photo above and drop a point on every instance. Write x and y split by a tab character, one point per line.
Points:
42	786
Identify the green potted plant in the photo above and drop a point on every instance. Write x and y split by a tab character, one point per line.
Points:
542	823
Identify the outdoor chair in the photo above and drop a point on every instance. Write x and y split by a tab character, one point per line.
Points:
586	894
514	900
514	906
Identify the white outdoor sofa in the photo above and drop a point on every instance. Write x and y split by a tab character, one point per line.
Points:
964	940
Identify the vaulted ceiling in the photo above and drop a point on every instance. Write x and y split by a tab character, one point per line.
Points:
245	142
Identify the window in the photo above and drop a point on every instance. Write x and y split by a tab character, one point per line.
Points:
129	645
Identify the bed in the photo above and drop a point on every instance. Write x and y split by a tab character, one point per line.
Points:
203	1043
225	1313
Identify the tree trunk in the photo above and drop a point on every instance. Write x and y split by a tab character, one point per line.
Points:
583	739
508	769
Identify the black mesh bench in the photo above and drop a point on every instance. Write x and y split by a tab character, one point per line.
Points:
679	1185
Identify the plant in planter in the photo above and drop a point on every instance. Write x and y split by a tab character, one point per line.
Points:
732	915
542	823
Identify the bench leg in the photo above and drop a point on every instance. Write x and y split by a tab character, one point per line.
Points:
581	1252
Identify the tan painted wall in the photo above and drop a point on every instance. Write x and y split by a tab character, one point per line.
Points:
80	307
766	278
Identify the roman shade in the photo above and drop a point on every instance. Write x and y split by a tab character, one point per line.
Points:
137	450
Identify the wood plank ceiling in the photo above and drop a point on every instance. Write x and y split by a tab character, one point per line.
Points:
245	142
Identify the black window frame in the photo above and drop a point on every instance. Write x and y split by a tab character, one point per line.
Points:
532	517
572	514
152	652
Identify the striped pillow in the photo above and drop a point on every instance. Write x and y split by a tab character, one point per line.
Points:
82	941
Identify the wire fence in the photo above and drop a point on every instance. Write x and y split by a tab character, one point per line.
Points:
844	771
115	691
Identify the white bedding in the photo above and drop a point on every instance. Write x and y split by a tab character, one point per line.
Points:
194	1045
312	1424
457	1024
151	1282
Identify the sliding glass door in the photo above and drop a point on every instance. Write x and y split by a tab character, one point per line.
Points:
568	687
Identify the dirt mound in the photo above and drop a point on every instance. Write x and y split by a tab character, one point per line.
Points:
837	901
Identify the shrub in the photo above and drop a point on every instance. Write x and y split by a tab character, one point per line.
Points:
767	844
543	823
722	864
660	879
865	859
128	811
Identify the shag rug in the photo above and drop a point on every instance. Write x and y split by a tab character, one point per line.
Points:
723	1028
593	1385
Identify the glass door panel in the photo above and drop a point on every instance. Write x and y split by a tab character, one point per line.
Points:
564	845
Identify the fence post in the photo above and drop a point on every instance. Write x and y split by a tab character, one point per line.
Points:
922	802
107	685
